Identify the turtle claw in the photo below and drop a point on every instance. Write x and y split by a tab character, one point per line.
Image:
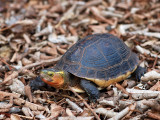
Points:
93	100
139	72
94	97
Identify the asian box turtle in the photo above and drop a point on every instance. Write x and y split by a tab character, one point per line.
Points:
95	61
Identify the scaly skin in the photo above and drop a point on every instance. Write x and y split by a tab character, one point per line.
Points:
91	89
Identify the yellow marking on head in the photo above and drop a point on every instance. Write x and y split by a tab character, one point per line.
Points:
60	72
50	73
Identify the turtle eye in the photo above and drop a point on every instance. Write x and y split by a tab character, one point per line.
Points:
50	73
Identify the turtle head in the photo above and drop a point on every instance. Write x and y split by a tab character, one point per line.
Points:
54	77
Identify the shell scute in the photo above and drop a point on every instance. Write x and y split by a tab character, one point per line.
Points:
93	58
99	57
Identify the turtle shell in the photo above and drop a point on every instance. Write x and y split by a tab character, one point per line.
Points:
101	58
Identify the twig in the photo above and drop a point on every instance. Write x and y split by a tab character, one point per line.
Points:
89	4
28	93
44	92
4	105
153	104
15	95
148	15
68	15
156	87
153	115
21	116
32	106
10	77
143	94
40	22
21	22
55	94
123	112
107	102
132	108
99	17
69	113
155	62
111	14
74	106
151	75
121	88
106	113
145	33
138	117
140	107
41	62
75	118
86	104
10	67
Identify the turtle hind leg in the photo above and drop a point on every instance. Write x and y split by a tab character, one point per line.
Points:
90	88
139	72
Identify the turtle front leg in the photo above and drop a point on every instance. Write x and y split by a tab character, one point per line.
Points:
139	72
90	88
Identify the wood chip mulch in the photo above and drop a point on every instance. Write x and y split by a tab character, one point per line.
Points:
34	34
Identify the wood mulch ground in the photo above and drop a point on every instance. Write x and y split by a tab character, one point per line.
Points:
34	34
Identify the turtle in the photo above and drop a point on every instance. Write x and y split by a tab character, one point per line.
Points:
93	63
